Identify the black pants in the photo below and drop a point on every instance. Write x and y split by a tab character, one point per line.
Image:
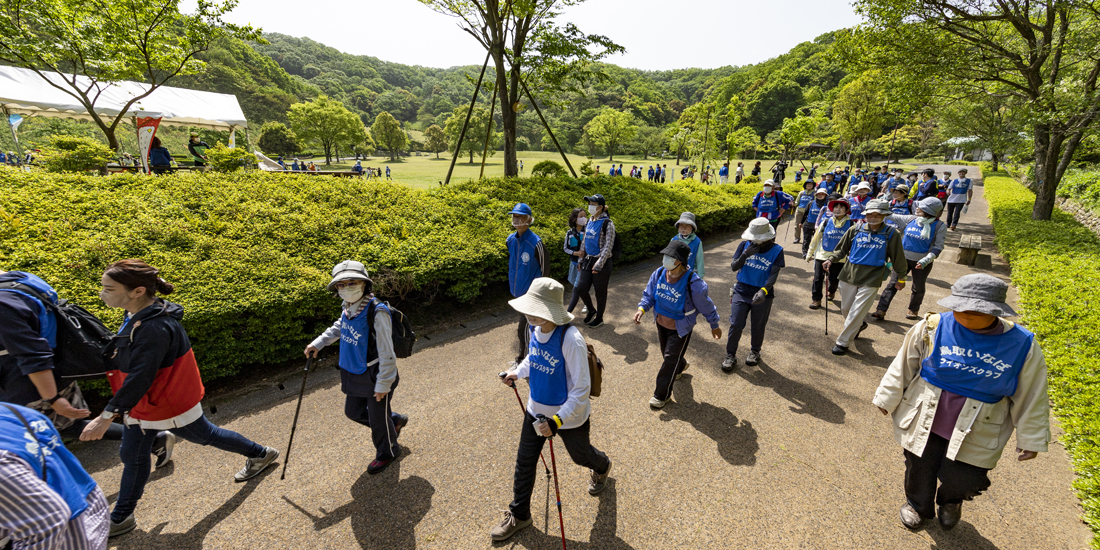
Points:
808	230
958	481
920	278
739	314
673	347
523	335
816	291
379	418
578	446
954	211
588	280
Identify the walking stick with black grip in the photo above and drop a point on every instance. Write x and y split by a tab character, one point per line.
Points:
826	302
524	412
294	425
557	492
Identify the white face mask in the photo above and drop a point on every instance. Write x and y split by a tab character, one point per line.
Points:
351	294
518	221
582	221
669	262
592	209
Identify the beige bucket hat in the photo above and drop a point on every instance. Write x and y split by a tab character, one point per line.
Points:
544	300
759	230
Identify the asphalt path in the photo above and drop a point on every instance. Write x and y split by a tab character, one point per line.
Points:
786	454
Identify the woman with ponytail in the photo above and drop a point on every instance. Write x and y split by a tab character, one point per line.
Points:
156	384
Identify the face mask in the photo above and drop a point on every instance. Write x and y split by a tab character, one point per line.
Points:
351	294
517	223
669	262
582	221
592	209
685	232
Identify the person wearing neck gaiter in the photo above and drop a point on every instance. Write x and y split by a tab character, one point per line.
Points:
686	229
923	243
368	365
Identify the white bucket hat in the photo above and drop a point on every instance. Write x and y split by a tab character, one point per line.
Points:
348	269
544	300
759	230
863	185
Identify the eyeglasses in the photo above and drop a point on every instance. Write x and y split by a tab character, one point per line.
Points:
342	285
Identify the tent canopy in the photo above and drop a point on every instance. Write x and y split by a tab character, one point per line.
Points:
22	91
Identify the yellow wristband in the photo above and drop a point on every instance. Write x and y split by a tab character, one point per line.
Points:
765	290
641	309
558	420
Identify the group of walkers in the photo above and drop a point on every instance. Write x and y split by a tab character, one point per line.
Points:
954	384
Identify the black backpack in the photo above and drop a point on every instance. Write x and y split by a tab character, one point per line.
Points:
617	246
402	333
81	337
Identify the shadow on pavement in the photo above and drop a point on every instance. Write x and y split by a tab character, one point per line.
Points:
193	537
737	440
603	534
631	347
963	537
384	508
805	398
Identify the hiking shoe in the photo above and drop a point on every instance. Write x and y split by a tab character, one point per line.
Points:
753	358
815	305
860	331
596	323
657	403
840	350
796	241
376	466
162	448
948	514
729	363
909	516
401	421
832	296
680	374
508	527
253	466
598	482
588	318
912	315
880	315
126	526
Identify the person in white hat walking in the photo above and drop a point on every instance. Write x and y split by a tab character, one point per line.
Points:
557	370
923	241
526	262
757	262
368	365
858	200
685	233
871	249
961	383
677	295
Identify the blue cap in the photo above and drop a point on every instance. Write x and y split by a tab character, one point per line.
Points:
522	209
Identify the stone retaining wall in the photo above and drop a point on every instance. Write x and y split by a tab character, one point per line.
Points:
1087	217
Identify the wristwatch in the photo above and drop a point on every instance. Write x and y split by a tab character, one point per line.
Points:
107	415
53	399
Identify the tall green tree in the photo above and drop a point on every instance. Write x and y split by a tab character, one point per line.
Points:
388	134
987	122
610	129
93	44
480	126
437	140
275	137
326	122
859	112
649	140
776	100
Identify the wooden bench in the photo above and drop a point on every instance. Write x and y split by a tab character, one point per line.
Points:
969	245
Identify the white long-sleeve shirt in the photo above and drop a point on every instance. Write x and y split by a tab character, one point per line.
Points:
383	335
577	406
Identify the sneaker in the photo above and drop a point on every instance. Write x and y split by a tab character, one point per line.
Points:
860	331
598	482
402	420
162	448
753	358
588	318
948	514
680	374
840	350
911	315
657	403
909	516
832	296
376	466
729	363
126	526
879	315
597	322
584	310
796	241
508	527
815	305
253	466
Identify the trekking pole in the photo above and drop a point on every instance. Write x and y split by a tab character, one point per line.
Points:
787	233
557	492
826	303
294	426
524	412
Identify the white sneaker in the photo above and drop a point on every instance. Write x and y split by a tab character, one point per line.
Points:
657	403
253	466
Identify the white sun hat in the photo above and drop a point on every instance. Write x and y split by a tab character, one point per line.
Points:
544	300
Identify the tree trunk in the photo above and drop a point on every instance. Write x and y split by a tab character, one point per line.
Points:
995	155
1047	144
507	83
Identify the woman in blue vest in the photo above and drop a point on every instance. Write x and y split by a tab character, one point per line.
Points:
677	295
961	193
574	237
828	182
768	204
757	262
900	203
824	243
686	228
923	242
819	202
805	197
526	262
961	384
556	367
368	365
599	242
858	199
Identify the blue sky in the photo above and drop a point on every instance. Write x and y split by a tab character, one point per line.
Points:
697	33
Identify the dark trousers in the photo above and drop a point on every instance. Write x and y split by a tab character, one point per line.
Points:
954	211
578	446
739	314
523	335
137	446
588	280
919	280
673	347
816	291
808	230
958	481
377	416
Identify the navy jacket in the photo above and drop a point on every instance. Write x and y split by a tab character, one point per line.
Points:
28	352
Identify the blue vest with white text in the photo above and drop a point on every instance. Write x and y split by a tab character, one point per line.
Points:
758	267
978	366
592	236
959	187
694	245
912	240
355	339
870	248
523	267
547	374
804	200
856	212
670	300
768	206
47	323
814	211
833	234
827	185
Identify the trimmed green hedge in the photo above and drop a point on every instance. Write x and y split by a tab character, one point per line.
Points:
250	253
1082	186
1056	267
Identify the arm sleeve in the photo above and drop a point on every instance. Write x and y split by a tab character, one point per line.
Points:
647	294
565	245
32	513
1030	406
901	220
904	368
700	297
939	240
700	267
387	360
844	246
148	352
739	256
576	371
330	335
540	257
815	243
607	245
19	336
773	276
897	255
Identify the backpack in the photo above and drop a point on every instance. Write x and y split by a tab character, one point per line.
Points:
81	337
402	332
617	246
595	367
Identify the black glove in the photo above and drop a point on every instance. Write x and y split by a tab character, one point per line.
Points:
759	297
550	422
753	248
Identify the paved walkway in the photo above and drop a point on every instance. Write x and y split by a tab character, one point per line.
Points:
786	454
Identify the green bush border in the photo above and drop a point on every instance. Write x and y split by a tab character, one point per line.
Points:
1056	268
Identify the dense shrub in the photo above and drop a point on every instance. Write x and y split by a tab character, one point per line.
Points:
1055	265
1083	186
67	153
250	252
229	159
548	168
750	179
